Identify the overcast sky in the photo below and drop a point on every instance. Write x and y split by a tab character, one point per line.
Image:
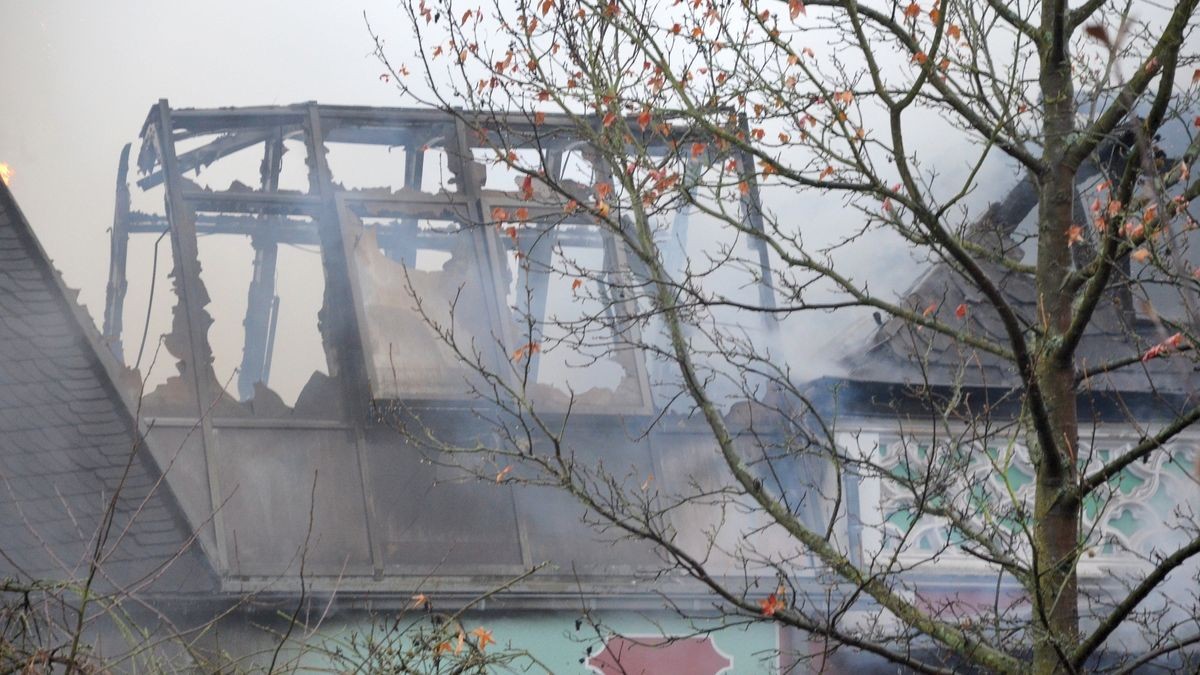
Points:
79	78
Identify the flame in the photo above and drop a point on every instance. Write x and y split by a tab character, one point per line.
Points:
6	173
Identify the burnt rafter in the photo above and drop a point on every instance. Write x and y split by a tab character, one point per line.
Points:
375	247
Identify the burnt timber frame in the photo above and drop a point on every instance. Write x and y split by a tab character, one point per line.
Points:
270	216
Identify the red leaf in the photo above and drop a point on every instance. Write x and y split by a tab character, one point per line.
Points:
933	307
527	188
522	214
499	214
1098	33
609	118
913	10
1165	347
796	8
961	311
576	284
698	149
546	6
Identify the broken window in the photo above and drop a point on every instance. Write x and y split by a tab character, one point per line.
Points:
575	339
424	293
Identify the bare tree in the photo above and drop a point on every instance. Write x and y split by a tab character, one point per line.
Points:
626	121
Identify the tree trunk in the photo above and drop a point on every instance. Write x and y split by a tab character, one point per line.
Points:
1056	511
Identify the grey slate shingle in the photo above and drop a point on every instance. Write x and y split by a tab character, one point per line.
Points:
66	440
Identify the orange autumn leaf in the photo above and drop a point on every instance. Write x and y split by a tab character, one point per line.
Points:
526	191
484	637
503	472
771	605
744	188
576	284
539	118
512	233
933	307
920	58
571	207
796	8
954	32
603	209
522	213
603	190
420	600
1196	76
1074	234
499	214
546	6
1141	255
961	311
643	119
1150	214
826	173
698	149
912	11
844	97
524	350
935	15
609	118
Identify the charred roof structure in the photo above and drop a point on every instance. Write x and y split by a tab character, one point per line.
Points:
289	450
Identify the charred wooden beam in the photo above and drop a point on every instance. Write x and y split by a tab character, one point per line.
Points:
118	283
261	301
191	316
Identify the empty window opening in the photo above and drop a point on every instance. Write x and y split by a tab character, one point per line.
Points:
438	261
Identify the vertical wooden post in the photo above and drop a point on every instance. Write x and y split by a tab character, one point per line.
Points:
193	297
339	316
260	300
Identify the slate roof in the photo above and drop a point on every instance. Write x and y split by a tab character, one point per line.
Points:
68	443
899	353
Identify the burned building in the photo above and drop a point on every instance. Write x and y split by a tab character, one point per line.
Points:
280	331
